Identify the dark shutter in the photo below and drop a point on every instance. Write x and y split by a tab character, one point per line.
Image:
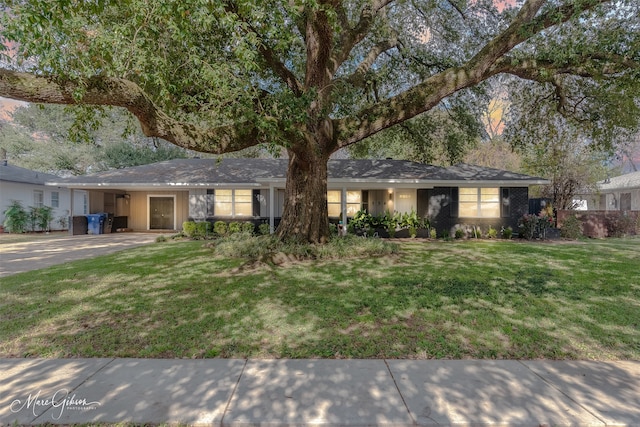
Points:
453	202
506	202
256	203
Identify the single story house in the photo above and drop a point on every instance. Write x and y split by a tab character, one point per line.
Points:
28	187
620	193
161	196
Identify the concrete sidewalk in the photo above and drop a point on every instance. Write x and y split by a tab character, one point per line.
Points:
233	392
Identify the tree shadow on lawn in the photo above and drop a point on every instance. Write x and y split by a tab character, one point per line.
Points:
372	308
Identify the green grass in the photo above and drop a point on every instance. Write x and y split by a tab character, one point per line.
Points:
472	299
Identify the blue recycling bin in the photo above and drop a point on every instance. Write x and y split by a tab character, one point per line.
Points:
95	223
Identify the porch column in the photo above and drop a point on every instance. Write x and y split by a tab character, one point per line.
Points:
343	209
272	221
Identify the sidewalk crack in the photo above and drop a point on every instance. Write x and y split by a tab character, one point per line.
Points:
50	408
233	392
395	383
604	423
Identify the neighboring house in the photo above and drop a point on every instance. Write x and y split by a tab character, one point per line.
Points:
28	187
161	196
620	193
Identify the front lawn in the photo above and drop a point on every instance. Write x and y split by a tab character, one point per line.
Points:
473	299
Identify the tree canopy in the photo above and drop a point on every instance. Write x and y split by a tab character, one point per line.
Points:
315	76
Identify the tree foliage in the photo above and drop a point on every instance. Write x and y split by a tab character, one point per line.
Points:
315	76
60	140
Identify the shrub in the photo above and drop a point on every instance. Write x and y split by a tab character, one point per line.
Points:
248	227
333	229
220	228
492	233
361	222
234	227
571	228
189	228
527	225
15	218
64	222
161	239
476	232
506	233
621	225
196	230
264	229
459	233
433	233
272	250
44	216
390	222
203	228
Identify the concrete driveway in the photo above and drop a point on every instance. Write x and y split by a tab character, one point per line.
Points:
33	255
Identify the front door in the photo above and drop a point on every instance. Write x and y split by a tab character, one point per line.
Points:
161	213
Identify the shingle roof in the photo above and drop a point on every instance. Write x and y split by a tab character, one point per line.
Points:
25	176
629	180
189	172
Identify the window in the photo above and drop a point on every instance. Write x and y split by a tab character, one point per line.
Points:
479	202
354	199
223	203
243	203
38	198
55	199
333	203
233	203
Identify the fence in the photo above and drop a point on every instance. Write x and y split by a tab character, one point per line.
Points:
601	224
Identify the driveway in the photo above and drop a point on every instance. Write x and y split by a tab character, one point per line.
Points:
33	255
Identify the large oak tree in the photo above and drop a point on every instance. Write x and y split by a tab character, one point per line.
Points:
312	76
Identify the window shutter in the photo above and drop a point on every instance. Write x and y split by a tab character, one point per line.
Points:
453	202
256	203
506	202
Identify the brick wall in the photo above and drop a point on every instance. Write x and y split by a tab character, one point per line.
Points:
600	224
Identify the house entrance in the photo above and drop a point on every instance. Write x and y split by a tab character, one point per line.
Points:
161	213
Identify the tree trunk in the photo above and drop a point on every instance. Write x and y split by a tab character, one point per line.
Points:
305	217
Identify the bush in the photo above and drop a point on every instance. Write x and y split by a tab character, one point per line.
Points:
264	229
492	233
621	225
234	227
248	227
15	218
64	222
220	228
506	233
476	232
272	250
189	228
528	225
44	216
459	233
571	228
433	233
161	239
196	230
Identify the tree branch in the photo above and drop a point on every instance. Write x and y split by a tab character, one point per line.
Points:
357	77
352	36
486	63
126	94
269	55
